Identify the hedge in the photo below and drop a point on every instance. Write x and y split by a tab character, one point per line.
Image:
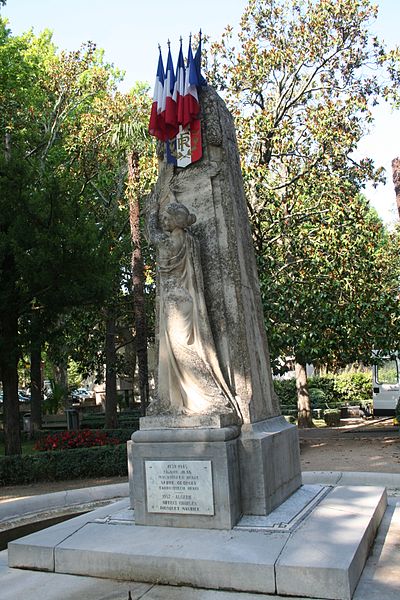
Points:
79	463
328	390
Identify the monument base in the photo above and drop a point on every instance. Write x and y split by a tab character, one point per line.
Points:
209	474
185	477
269	464
315	545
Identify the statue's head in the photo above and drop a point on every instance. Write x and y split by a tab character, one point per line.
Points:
175	215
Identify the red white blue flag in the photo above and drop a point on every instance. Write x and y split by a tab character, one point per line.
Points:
179	89
157	124
191	106
175	112
169	103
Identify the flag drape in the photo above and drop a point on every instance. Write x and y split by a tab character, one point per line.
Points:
175	110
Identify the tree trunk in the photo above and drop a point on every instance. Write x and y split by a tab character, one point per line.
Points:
111	374
303	397
60	373
9	375
139	306
36	387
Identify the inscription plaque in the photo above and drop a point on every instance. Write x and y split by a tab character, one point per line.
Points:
183	487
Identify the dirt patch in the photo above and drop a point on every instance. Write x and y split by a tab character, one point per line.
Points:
356	446
362	454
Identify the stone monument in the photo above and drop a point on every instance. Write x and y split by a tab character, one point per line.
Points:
214	459
214	445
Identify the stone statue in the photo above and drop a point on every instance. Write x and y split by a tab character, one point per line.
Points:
190	381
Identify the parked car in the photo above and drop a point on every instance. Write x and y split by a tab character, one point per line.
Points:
23	396
80	394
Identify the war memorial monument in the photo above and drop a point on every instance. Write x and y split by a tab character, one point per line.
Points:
216	495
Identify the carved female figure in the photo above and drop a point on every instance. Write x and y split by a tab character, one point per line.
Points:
189	377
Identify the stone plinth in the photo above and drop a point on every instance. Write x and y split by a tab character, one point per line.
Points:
316	550
269	459
186	477
188	422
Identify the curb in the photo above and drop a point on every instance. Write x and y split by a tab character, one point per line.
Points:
388	480
15	509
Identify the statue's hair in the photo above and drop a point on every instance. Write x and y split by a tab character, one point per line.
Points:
181	214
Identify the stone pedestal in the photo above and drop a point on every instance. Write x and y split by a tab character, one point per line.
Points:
269	465
187	477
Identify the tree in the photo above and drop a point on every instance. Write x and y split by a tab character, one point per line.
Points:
51	245
118	160
300	86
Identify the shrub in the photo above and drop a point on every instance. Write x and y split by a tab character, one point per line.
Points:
328	390
325	383
79	463
317	398
332	417
122	435
65	440
286	392
354	388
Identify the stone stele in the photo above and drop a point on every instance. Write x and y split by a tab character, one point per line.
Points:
214	400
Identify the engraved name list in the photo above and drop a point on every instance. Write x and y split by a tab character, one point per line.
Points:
179	487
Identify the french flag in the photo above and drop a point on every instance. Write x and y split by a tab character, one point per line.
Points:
191	106
169	103
179	89
157	124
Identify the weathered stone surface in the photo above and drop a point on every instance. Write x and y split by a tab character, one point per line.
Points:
321	557
186	422
190	381
327	553
213	190
174	445
269	465
214	370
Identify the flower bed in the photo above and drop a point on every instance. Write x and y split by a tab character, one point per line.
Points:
65	440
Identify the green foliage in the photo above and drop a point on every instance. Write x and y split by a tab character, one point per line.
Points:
317	398
326	384
286	392
332	417
65	246
56	398
328	390
354	388
74	376
298	83
103	461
